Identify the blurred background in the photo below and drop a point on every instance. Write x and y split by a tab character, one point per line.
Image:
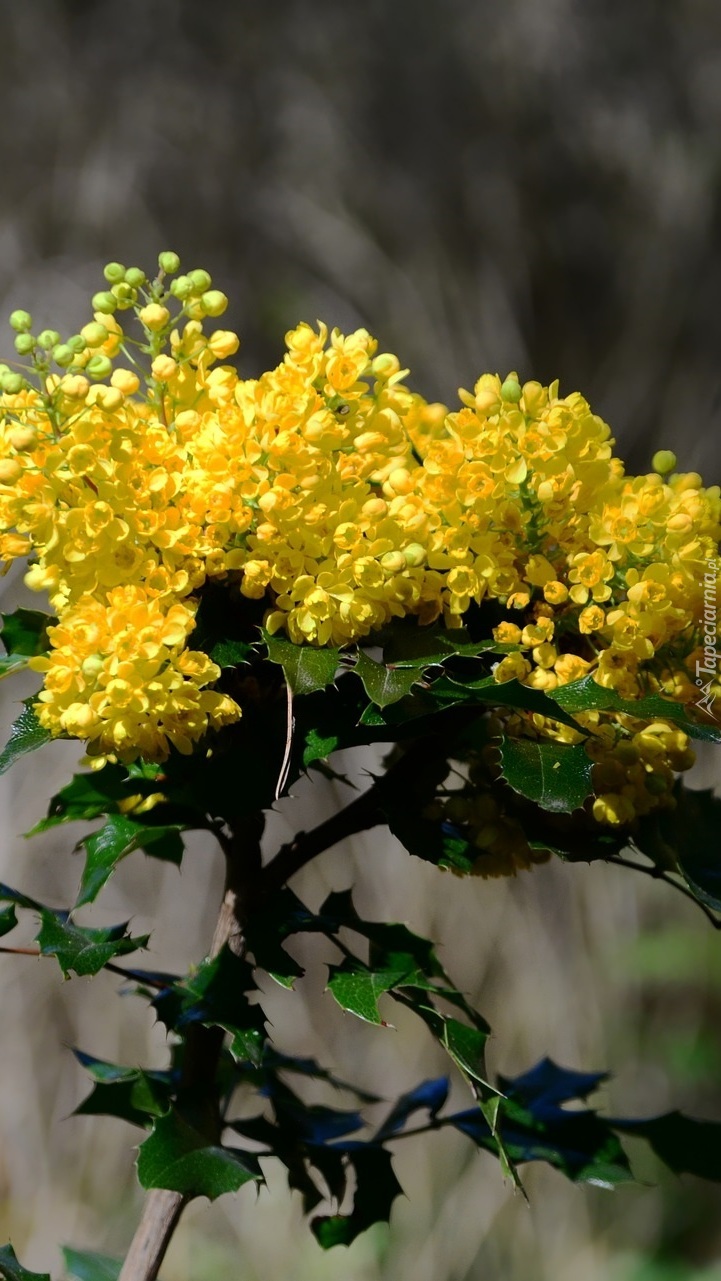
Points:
530	186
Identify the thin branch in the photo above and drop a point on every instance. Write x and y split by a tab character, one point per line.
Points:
203	1045
658	874
138	975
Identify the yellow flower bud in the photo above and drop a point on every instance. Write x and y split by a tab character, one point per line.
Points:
163	368
154	317
223	343
23	439
10	471
125	380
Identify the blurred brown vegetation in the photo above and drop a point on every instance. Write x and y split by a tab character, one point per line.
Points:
522	185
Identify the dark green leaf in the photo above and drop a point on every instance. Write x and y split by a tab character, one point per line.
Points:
119	837
83	950
178	1157
357	988
231	653
501	694
585	694
685	1145
26	735
376	1189
307	668
214	994
419	647
24	634
686	839
384	685
8	920
88	1266
554	775
127	1093
11	1270
87	796
9	895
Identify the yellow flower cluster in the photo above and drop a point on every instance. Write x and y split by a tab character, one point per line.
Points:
133	471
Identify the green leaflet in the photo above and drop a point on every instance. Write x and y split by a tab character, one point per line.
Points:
179	1157
26	735
556	776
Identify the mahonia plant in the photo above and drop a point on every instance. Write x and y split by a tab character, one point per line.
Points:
247	576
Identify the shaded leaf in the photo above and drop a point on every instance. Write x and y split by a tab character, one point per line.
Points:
24	634
231	653
83	950
376	1189
129	1094
86	796
11	1270
556	776
118	837
8	920
686	839
214	994
26	735
501	694
586	694
685	1145
428	1097
86	1265
384	685
419	647
306	667
178	1157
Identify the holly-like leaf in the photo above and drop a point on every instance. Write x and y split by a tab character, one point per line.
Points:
12	1270
357	988
26	735
306	667
86	1265
231	653
376	1189
685	839
685	1145
383	684
409	645
586	694
556	776
214	994
129	1094
179	1157
83	950
511	693
119	837
88	796
429	1097
24	634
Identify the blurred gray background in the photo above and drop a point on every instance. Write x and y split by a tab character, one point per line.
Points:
532	185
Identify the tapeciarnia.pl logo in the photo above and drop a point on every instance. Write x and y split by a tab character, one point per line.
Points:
709	666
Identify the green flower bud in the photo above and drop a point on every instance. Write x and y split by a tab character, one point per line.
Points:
104	302
125	295
415	554
213	302
21	321
76	343
114	272
135	277
48	338
24	344
200	280
169	262
181	288
12	383
511	389
63	355
99	367
664	461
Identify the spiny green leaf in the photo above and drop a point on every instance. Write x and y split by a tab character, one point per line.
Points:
129	1094
384	685
586	694
178	1157
87	796
356	988
419	647
307	668
83	950
554	775
11	1270
26	735
376	1189
231	653
86	1265
118	837
511	693
429	1096
215	995
9	895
